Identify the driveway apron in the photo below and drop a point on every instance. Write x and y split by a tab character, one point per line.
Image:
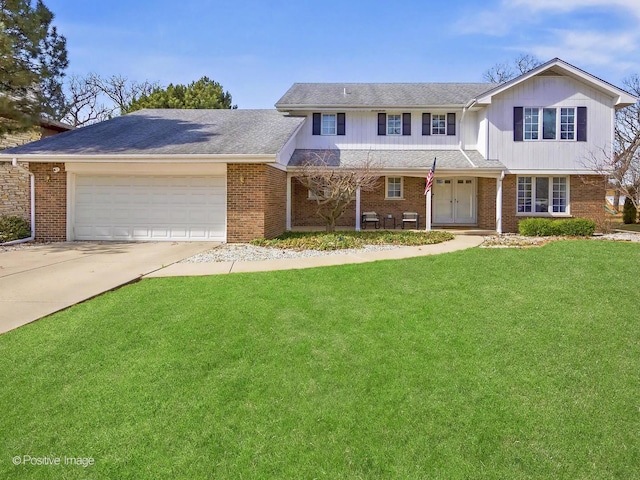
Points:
38	281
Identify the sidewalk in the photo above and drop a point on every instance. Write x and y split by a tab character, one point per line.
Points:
460	242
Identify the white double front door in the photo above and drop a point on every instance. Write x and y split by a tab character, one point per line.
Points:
454	201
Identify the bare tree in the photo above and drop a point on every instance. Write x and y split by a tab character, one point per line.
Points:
83	105
503	72
334	187
92	98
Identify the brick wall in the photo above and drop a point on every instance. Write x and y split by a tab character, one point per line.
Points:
51	202
275	203
303	210
256	202
487	190
586	199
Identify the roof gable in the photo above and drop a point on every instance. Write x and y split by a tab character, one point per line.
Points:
556	66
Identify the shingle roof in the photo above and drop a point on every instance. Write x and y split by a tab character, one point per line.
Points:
173	131
380	94
397	159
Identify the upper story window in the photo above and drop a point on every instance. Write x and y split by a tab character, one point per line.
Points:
439	124
551	123
328	123
394	125
567	123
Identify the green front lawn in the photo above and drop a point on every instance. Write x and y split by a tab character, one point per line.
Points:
484	363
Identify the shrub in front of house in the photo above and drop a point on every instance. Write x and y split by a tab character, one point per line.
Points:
629	212
546	227
13	228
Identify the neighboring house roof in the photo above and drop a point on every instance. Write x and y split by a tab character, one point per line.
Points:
560	67
55	125
379	95
397	159
174	132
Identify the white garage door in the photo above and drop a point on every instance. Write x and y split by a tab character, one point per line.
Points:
183	208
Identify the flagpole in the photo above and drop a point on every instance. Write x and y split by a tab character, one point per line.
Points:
427	223
427	194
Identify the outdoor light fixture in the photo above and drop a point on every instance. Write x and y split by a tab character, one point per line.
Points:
56	169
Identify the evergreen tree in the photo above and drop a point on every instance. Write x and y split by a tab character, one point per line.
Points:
32	61
204	93
629	211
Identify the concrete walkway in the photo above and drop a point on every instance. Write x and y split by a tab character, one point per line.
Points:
40	280
460	242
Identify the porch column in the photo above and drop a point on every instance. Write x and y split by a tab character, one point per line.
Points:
288	225
358	209
427	217
499	204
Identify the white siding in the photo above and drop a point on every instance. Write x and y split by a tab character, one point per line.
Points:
470	131
361	132
548	91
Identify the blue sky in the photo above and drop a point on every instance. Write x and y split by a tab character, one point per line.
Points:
257	49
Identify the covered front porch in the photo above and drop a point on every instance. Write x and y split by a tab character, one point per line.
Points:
466	194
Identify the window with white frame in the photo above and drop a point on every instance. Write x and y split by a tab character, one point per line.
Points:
542	195
394	124
531	123
567	123
394	187
554	120
438	124
329	124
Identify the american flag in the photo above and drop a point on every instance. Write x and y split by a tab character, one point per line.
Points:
430	177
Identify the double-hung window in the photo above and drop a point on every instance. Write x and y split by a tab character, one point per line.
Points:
543	195
567	123
394	124
438	124
394	187
329	124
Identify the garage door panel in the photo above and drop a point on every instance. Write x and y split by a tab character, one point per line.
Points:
111	207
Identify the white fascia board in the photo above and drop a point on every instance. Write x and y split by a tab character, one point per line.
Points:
622	98
174	158
366	108
423	172
524	171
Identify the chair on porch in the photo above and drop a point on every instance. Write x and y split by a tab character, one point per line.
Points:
410	217
370	217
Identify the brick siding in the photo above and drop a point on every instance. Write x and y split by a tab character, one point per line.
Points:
51	202
303	210
256	202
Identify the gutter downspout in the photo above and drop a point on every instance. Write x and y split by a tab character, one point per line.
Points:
32	205
464	110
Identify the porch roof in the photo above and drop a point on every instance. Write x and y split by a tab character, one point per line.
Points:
419	160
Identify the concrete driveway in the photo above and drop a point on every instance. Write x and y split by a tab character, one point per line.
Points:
37	281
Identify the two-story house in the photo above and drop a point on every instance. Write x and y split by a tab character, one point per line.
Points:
504	152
